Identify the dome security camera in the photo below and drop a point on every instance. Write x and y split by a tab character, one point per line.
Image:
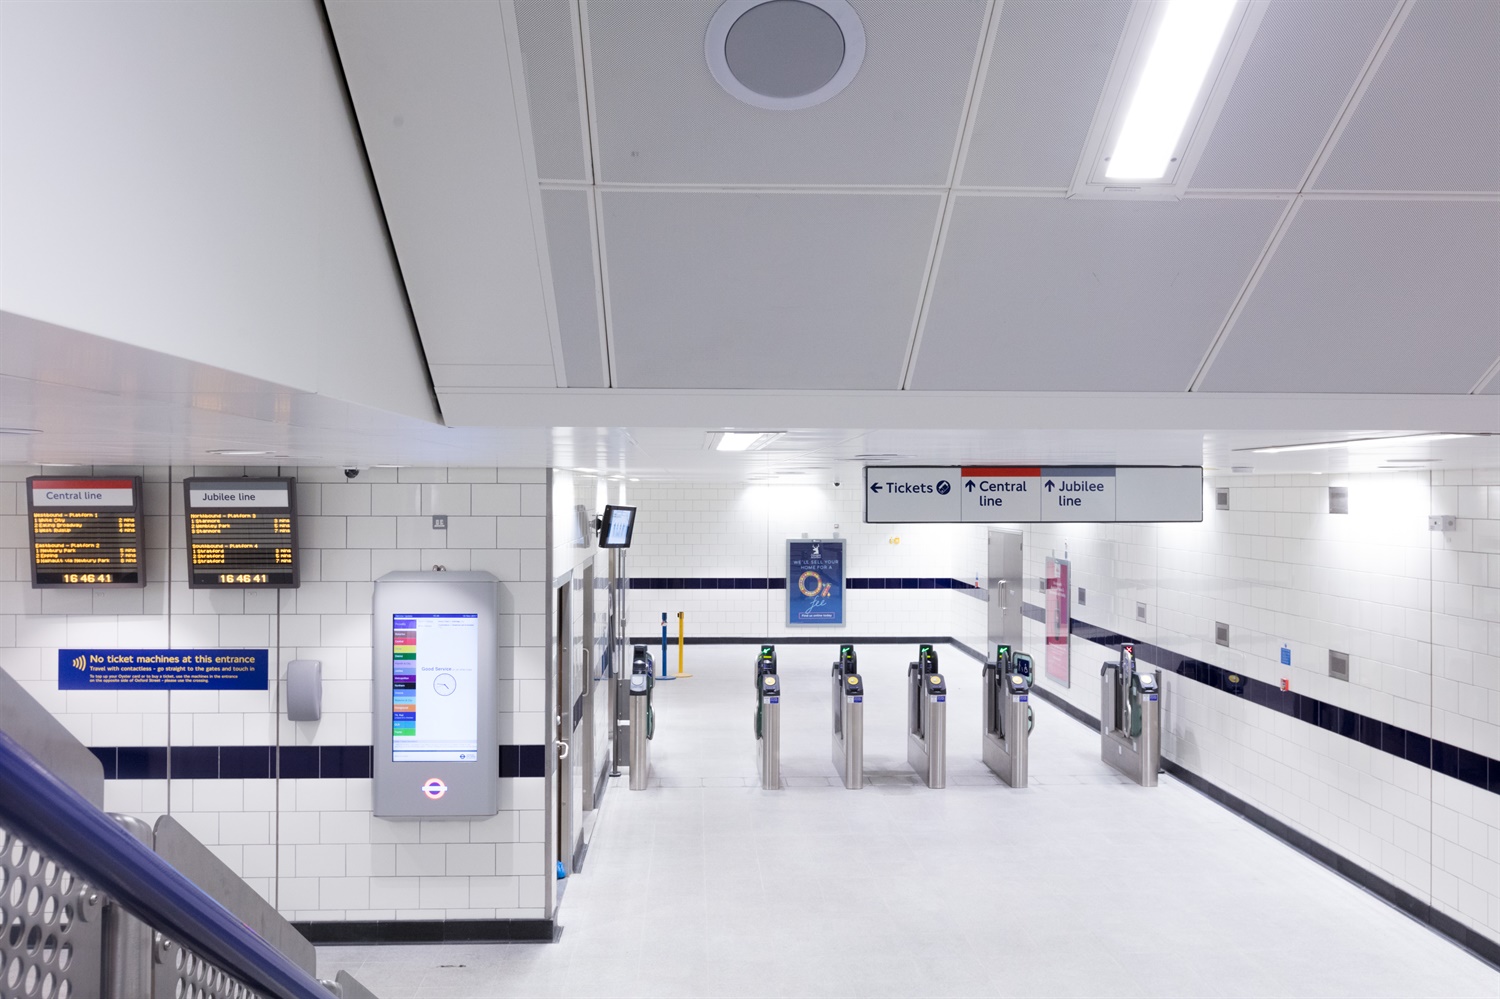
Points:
351	473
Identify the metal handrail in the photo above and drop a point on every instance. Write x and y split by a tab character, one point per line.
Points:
50	815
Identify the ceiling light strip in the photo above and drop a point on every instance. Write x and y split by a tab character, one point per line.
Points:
1486	378
1358	442
1188	39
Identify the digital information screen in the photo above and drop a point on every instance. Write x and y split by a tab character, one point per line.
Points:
617	527
85	532
241	532
434	687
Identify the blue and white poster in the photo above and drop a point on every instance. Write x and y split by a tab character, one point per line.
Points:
815	582
158	669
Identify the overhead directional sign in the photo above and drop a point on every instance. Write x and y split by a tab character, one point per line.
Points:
1022	494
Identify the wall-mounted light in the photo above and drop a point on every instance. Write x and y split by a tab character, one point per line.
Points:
742	440
1171	75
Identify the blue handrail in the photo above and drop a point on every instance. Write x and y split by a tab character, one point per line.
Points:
50	815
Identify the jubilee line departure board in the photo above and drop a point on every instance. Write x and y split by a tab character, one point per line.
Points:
241	533
85	531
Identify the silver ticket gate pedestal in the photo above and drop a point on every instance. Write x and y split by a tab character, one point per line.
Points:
927	719
642	719
1130	718
848	720
1007	716
768	719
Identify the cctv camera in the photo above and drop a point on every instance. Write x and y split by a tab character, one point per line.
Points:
836	483
350	473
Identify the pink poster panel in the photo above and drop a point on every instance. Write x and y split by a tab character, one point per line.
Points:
1058	615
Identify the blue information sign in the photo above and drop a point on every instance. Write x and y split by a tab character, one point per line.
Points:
157	669
815	582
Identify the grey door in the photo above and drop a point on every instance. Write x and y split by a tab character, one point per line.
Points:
1005	571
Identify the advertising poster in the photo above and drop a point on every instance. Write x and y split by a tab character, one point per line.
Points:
814	582
1059	611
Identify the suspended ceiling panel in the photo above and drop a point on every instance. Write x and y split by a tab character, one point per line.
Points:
661	117
1053	294
1430	120
764	291
1046	72
1371	296
432	86
1303	65
550	49
570	245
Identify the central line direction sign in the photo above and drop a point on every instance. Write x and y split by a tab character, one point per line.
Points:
1031	494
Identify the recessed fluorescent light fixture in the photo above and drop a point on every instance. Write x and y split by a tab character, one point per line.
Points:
1176	63
743	440
1359	442
19	431
237	454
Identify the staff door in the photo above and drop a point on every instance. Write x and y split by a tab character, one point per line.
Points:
1005	572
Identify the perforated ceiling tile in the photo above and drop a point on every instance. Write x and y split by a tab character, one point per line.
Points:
1304	62
550	57
570	249
1046	72
764	291
1430	120
663	119
1054	294
1371	296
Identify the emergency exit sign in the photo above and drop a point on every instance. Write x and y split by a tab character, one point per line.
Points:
1033	494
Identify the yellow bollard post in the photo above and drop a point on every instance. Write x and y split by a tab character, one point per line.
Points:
681	641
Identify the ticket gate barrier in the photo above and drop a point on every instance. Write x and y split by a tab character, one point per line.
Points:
927	718
1130	718
1008	718
848	719
768	719
642	718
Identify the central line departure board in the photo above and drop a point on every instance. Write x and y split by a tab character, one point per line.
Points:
85	532
241	533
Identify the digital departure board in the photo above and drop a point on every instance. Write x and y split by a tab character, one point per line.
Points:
241	532
85	532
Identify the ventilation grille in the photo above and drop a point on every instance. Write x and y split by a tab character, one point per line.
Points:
1221	633
1338	665
1083	596
1338	499
1140	612
1221	499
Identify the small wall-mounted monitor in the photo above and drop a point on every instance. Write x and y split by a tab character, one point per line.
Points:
616	527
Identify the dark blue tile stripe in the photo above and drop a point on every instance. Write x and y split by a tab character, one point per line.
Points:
1461	764
776	583
264	762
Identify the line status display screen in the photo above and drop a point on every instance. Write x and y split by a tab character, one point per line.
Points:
434	688
85	531
241	533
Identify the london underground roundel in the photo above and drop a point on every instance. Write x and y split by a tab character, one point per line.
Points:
434	788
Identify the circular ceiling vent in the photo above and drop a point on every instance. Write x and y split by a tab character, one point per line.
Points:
784	55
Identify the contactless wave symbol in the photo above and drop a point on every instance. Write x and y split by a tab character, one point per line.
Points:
943	487
81	662
434	788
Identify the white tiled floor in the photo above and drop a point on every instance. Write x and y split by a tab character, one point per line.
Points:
1082	884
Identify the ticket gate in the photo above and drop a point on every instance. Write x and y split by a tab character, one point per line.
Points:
642	718
848	719
1007	715
1130	718
768	719
927	718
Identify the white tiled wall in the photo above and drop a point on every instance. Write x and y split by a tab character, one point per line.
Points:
310	846
1418	612
737	530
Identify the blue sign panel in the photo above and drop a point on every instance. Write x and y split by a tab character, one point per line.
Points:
815	582
158	669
